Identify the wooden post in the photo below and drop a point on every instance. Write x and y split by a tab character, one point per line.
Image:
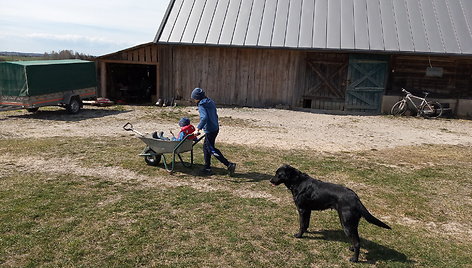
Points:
103	80
158	85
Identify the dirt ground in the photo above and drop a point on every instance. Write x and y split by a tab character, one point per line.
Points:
270	128
274	128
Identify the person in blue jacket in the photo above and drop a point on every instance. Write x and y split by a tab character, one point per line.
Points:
209	124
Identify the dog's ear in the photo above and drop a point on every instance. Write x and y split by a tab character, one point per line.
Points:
290	171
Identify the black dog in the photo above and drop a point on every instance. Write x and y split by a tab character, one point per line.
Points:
311	194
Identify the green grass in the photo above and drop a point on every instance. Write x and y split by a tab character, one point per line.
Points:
75	217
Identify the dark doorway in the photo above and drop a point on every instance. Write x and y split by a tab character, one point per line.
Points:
131	83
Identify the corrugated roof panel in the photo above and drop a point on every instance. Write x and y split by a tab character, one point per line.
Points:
205	22
242	22
426	26
405	40
267	24
320	27
306	24
416	25
334	24
217	22
255	22
376	41
181	22
433	36
361	28
445	26
460	25
293	23
169	25
193	21
347	24
467	9
280	24
388	25
230	22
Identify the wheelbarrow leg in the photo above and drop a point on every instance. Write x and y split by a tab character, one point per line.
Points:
171	169
191	160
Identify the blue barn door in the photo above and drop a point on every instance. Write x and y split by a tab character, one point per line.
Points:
367	77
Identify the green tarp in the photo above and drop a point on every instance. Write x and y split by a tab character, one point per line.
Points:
32	78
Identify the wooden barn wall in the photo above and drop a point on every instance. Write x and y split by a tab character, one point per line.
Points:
233	76
409	72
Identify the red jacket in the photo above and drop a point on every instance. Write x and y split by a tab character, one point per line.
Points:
184	131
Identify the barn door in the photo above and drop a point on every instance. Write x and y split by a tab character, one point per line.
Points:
367	76
325	81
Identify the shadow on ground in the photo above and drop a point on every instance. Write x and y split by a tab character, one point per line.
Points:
63	115
375	251
221	173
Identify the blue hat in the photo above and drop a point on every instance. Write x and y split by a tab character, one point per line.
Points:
198	94
184	121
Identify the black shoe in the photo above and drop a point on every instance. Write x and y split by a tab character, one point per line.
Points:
206	172
231	168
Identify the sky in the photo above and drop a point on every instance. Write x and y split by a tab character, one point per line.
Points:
92	27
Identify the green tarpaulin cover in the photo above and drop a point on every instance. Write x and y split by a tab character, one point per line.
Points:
32	78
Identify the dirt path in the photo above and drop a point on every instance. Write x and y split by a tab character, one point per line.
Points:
272	128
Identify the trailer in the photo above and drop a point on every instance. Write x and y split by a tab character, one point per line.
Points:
33	84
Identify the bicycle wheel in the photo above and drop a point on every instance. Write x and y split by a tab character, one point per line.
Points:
432	109
399	108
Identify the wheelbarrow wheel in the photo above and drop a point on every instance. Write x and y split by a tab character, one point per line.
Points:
153	159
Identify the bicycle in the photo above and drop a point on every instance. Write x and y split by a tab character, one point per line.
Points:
426	109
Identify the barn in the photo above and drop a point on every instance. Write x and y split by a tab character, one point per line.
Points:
339	55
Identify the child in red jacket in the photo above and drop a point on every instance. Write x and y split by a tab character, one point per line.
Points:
185	129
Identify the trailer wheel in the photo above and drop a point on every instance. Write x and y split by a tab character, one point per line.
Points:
74	106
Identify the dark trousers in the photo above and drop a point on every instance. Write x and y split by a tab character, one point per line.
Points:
209	150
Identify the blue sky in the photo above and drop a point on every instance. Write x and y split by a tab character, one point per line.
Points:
94	27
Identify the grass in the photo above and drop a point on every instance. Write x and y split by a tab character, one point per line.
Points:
61	205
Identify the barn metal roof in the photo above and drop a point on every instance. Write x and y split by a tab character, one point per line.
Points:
422	26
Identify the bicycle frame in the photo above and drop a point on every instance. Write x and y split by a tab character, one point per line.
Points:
421	107
409	97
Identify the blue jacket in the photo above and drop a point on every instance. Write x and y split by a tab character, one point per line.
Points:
208	116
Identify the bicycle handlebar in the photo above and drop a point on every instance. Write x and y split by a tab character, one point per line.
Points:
405	91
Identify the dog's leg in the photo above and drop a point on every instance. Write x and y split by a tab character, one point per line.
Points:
350	223
304	218
356	243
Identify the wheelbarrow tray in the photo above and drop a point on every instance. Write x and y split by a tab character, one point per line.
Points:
163	147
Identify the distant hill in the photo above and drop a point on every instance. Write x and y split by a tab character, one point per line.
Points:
20	54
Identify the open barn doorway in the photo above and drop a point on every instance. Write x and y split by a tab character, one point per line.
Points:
131	83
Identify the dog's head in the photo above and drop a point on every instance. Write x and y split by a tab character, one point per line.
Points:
285	174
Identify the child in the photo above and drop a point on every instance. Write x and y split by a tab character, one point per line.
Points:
209	123
185	129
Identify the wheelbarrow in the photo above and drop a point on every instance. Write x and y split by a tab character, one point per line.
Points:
156	149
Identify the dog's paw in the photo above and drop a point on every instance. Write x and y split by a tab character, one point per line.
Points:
298	235
354	259
351	248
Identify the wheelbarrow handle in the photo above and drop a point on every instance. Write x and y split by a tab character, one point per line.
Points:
128	127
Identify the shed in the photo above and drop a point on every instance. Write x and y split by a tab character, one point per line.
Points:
130	75
348	55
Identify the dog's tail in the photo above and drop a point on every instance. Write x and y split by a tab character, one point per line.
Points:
370	218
